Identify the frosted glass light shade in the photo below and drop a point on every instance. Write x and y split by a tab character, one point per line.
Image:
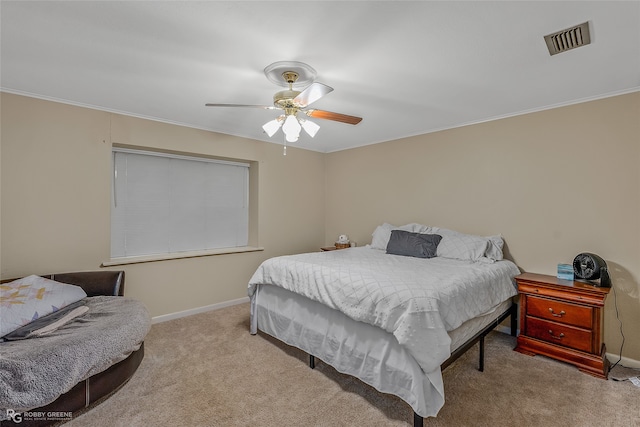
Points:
272	127
291	128
310	127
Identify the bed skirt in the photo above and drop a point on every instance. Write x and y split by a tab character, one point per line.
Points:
364	351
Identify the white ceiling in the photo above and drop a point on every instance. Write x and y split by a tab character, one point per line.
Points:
407	68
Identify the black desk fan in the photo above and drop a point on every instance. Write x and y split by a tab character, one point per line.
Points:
592	268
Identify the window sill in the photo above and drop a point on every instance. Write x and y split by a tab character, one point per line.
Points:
179	255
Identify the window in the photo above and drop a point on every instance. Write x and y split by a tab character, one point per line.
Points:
166	204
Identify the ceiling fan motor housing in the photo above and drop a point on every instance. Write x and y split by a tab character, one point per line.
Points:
284	98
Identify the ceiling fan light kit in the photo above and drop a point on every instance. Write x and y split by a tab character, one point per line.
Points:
288	74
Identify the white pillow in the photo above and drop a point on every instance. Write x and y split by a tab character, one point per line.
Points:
494	250
382	233
417	228
461	246
32	297
468	246
381	236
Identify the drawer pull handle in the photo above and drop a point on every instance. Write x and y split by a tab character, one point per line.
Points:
562	313
558	337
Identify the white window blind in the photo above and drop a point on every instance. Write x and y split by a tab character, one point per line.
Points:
165	204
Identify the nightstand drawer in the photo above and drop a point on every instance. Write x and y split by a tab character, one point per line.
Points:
559	334
561	312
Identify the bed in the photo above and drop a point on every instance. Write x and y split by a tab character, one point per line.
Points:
392	321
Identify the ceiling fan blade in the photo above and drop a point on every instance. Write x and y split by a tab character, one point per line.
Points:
311	94
264	107
328	115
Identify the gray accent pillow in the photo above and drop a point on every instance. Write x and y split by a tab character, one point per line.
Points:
417	245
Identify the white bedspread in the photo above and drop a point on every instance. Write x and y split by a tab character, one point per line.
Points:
417	300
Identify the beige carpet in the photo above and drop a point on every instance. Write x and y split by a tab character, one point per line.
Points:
207	370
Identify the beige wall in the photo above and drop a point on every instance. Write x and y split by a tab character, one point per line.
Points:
55	182
555	183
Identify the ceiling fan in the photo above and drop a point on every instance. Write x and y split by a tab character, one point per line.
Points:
292	102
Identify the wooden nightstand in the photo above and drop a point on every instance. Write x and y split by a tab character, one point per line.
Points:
563	319
333	248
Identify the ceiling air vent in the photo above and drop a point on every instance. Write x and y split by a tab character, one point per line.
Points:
568	39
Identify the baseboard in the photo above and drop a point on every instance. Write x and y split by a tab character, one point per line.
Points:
625	361
613	358
198	310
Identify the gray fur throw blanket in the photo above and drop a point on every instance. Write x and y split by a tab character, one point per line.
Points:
36	371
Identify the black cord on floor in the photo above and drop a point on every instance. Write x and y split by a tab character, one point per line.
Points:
615	299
